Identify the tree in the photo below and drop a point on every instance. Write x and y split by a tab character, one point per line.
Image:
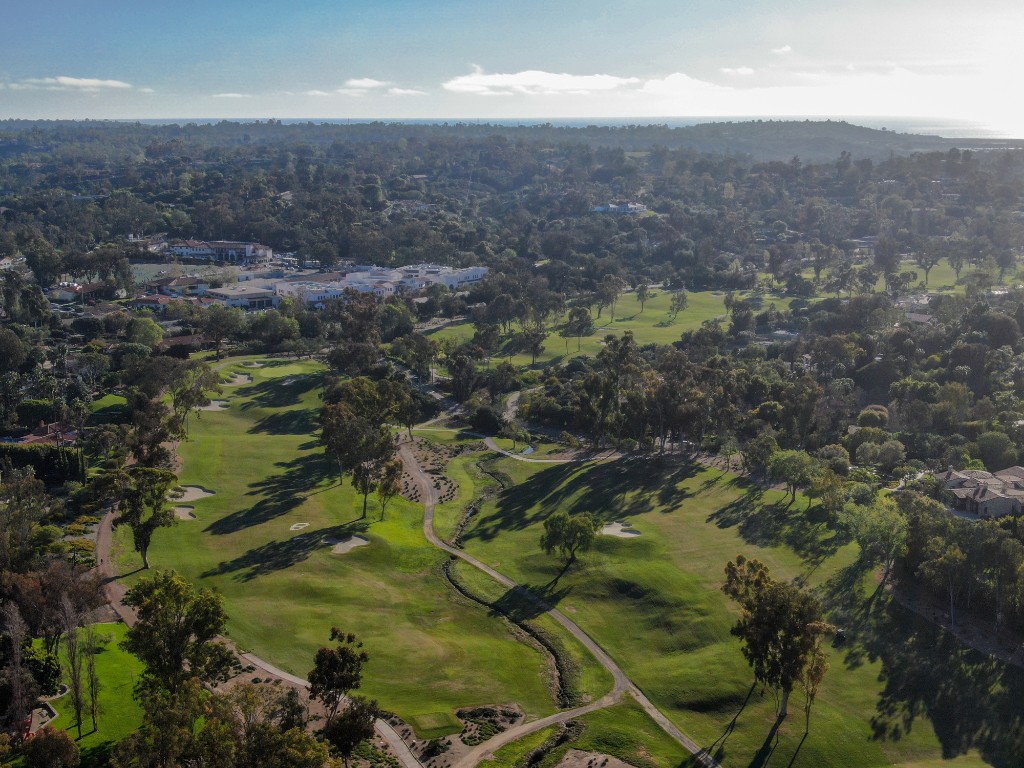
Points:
678	303
359	446
220	322
880	531
336	671
643	292
568	534
945	566
176	629
190	391
813	673
70	618
142	493
142	330
93	644
578	324
352	726
389	484
794	468
780	626
51	748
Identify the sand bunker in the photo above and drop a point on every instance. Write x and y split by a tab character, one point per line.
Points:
620	530
344	546
298	526
238	380
184	512
253	365
192	493
215	405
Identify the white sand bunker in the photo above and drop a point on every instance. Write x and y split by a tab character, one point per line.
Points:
238	380
215	405
620	530
192	493
252	364
298	526
344	546
184	512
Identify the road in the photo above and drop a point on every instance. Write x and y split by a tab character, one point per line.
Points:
622	682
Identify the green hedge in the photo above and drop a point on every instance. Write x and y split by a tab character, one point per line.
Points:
53	465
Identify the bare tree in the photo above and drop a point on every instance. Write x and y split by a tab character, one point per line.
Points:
92	645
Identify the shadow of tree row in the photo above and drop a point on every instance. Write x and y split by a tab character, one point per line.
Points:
931	679
281	554
610	491
279	494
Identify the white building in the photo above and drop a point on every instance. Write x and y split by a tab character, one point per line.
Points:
229	251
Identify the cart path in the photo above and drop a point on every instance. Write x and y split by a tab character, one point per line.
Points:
622	682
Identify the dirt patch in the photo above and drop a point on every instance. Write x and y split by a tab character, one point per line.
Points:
184	512
238	380
620	530
434	458
191	493
481	723
577	758
344	546
215	405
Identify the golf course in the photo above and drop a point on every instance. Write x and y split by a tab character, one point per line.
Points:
274	532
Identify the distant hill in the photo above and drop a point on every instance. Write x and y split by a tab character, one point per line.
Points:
759	140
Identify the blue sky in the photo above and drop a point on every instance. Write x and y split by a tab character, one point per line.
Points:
450	59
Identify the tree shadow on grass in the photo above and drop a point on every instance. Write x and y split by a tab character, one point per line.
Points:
300	421
525	602
97	755
279	392
278	555
610	491
932	680
806	532
279	493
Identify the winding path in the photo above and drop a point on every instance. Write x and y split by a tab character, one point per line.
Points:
622	682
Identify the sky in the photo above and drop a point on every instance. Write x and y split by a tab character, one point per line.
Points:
498	59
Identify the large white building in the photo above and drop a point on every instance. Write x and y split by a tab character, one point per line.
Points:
228	251
382	281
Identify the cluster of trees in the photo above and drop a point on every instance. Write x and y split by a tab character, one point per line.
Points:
782	628
188	722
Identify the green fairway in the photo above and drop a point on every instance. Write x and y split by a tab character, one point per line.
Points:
431	650
654	602
119	714
652	326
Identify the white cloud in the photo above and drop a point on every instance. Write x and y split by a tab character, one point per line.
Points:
535	82
366	83
352	91
65	83
315	92
232	95
147	90
406	92
783	50
744	71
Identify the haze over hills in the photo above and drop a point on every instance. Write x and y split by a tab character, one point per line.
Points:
758	139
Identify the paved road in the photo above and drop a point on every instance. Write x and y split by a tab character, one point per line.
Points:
622	681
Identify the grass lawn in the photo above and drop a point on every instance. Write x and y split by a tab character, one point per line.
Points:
653	325
109	409
431	651
514	754
119	715
654	602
